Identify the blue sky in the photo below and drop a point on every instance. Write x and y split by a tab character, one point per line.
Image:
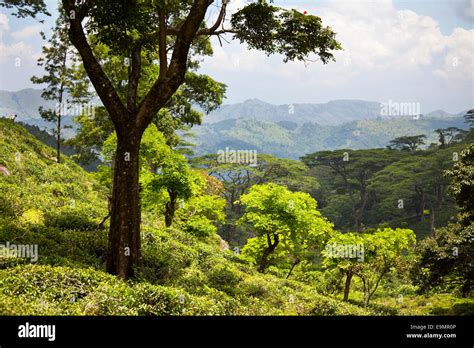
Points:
404	51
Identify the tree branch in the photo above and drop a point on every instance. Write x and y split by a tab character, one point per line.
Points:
99	79
220	19
165	87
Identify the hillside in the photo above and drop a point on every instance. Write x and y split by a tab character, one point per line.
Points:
291	140
58	207
24	103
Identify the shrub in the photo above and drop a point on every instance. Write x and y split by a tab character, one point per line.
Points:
70	218
224	278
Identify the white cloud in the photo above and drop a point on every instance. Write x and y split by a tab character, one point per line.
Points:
388	53
3	24
31	31
16	54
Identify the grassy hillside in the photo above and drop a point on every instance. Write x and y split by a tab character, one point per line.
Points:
59	207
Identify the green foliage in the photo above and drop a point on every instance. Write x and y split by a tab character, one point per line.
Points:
25	9
419	182
237	178
280	215
288	32
408	143
90	136
377	253
447	259
462	185
200	226
352	171
186	269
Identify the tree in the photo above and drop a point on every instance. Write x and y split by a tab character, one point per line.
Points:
387	249
178	115
469	117
354	170
376	255
450	135
408	143
277	214
336	257
462	188
61	79
167	32
447	257
237	178
165	176
176	178
90	136
415	186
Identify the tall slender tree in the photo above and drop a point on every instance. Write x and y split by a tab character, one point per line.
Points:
63	85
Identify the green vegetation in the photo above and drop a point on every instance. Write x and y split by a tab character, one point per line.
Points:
187	268
185	271
151	232
292	140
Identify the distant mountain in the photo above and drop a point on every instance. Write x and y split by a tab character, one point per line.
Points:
288	130
290	140
25	104
331	113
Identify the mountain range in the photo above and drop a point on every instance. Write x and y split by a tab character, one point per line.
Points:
288	130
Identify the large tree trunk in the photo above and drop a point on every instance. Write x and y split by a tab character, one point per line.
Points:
124	235
347	286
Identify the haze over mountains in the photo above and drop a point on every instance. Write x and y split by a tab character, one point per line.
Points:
289	130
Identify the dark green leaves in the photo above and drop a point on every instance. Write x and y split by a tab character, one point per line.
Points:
257	25
25	8
288	32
